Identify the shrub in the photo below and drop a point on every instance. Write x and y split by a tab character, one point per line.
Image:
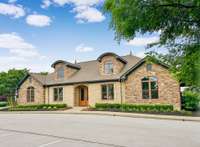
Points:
35	107
190	100
134	107
3	104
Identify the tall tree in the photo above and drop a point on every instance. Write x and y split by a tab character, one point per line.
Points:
178	22
9	81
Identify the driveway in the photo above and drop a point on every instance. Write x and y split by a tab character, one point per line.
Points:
61	130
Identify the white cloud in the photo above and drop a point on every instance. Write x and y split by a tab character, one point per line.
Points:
38	20
17	46
12	1
46	4
142	41
21	54
85	10
88	14
83	48
12	10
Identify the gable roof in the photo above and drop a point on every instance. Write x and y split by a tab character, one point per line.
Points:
38	77
112	54
89	72
138	64
66	63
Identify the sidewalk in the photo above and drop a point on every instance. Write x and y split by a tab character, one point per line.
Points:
79	111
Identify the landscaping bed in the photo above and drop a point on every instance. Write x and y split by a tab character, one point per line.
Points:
161	109
3	104
39	107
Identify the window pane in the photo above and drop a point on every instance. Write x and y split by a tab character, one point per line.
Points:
108	67
154	85
104	92
145	94
149	67
28	95
60	94
154	90
110	91
145	86
55	94
32	95
60	73
145	89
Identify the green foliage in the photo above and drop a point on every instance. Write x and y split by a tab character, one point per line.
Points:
178	24
9	81
38	107
3	104
134	107
190	101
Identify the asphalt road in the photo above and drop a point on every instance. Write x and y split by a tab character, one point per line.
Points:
67	130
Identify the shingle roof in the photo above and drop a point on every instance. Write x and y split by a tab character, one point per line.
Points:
89	72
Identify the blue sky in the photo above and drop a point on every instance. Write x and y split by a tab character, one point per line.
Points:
35	33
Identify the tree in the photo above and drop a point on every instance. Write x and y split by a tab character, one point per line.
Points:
9	81
178	22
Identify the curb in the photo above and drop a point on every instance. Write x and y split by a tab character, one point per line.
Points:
131	115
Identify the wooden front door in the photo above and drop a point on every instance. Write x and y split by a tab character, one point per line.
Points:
83	99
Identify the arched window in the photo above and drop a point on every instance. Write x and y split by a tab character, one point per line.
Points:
150	88
108	67
60	73
30	94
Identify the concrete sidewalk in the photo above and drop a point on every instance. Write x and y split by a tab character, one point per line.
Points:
79	111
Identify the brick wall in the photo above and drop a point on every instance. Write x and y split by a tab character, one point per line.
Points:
168	87
117	65
39	92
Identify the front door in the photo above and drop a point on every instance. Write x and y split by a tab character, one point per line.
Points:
83	100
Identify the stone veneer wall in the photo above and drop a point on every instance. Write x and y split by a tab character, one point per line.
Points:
68	72
39	92
117	65
168	87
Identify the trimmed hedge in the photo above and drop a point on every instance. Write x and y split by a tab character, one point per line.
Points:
134	107
38	107
3	104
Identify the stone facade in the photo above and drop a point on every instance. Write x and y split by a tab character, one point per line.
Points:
168	87
117	65
68	71
129	91
38	92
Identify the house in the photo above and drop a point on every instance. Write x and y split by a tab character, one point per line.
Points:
109	79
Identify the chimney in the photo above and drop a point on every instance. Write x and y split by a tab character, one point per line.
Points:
131	53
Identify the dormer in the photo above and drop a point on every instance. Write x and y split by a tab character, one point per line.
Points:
110	63
64	70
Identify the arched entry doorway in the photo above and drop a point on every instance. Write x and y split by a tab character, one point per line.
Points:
81	95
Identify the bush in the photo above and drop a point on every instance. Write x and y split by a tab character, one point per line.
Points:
3	104
190	100
38	107
134	107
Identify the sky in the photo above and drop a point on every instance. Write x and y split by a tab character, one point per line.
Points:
35	33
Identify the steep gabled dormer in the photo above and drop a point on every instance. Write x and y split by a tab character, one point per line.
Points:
110	63
64	70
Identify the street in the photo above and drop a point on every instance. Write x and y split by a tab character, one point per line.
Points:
61	130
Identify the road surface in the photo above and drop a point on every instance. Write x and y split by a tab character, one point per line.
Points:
68	130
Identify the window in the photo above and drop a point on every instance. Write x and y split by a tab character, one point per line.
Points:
30	79
108	67
30	94
60	73
58	94
149	67
107	92
150	88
